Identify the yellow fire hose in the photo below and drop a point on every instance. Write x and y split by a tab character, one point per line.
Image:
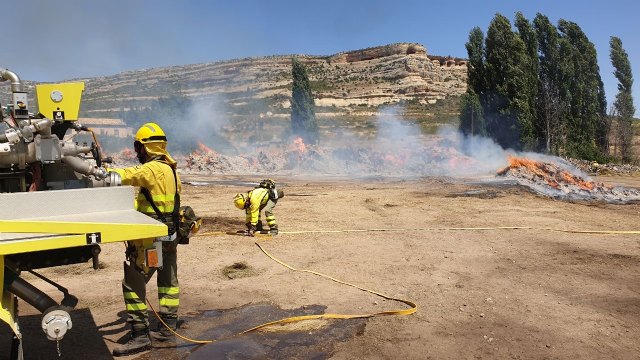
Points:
411	310
413	307
603	232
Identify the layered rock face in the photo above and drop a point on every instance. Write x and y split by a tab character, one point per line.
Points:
387	75
349	82
355	79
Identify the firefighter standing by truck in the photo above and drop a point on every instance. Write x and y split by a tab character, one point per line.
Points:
264	197
159	198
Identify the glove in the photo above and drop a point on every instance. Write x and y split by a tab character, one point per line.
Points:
273	232
251	230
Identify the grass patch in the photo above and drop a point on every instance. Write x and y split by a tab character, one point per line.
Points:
238	270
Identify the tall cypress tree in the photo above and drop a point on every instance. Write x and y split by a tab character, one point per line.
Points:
529	92
505	68
623	105
471	114
550	106
583	90
475	68
603	126
303	114
539	87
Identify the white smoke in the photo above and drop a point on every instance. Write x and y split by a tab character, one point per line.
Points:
204	123
204	114
448	153
391	146
393	133
485	155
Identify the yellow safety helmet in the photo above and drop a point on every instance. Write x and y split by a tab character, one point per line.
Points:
267	184
150	132
240	201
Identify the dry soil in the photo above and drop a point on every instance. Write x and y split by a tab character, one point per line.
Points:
532	293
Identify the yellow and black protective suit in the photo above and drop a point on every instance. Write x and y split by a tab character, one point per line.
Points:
259	200
157	176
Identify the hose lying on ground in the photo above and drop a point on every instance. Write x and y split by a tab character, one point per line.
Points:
602	232
413	307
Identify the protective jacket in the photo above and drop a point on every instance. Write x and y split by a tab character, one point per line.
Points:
156	176
258	199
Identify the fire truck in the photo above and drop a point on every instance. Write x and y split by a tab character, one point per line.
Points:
59	203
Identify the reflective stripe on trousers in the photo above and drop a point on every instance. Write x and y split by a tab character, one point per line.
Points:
168	292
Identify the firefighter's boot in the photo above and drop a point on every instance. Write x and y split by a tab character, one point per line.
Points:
164	334
259	227
138	342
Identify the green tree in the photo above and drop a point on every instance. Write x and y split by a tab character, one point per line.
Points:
539	87
603	125
506	108
549	103
623	105
582	89
471	114
475	67
528	114
303	115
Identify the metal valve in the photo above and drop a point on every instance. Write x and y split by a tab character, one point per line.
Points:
56	323
12	135
101	173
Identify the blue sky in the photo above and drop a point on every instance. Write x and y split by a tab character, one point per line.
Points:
47	40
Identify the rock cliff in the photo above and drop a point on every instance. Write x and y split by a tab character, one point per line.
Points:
370	77
351	82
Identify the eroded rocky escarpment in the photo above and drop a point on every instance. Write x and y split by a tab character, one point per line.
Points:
348	82
389	74
369	77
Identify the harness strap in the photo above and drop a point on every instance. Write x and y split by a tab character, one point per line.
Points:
176	204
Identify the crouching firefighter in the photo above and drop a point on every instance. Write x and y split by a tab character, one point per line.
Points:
159	197
264	197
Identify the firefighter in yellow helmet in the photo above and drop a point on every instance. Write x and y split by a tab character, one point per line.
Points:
159	198
264	197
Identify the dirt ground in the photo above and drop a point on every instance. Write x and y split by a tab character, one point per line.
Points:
531	294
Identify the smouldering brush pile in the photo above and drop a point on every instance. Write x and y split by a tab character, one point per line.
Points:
556	178
300	158
124	158
557	181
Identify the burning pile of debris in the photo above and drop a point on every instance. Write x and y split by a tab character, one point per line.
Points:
298	156
301	158
124	158
208	161
556	180
437	155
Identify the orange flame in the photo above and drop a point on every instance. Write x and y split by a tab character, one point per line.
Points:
298	146
398	159
550	173
205	149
